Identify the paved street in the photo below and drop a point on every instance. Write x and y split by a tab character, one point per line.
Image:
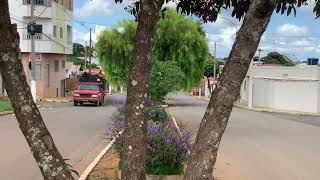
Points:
78	132
259	146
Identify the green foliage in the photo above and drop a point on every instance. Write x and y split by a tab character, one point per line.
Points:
78	50
80	62
210	65
178	39
114	49
167	147
165	77
5	105
182	40
277	58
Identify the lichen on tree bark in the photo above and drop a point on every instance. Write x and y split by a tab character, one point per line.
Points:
204	152
45	153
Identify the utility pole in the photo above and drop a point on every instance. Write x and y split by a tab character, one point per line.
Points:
215	57
215	49
85	56
259	50
90	53
33	83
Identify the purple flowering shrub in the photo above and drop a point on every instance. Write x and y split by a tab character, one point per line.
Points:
167	148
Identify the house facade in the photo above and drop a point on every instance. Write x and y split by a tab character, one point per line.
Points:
51	46
283	88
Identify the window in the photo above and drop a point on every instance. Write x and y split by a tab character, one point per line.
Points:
88	87
38	71
63	64
69	34
47	74
61	32
56	66
54	31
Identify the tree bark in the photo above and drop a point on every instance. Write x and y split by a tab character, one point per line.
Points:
44	151
138	103
204	151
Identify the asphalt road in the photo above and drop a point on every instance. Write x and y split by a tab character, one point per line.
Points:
259	146
78	133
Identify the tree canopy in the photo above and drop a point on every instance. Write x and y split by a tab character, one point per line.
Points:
178	39
80	62
211	65
208	10
78	50
277	58
114	49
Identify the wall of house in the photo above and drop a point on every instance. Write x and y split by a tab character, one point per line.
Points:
284	88
263	93
54	14
297	72
2	90
47	87
296	96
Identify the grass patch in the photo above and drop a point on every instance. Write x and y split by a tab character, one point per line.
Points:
5	105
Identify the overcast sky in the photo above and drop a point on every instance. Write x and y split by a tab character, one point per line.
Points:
297	37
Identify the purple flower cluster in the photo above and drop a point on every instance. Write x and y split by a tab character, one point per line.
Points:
166	145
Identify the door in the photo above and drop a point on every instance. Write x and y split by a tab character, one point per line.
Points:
63	88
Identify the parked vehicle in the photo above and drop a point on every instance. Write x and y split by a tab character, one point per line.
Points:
91	89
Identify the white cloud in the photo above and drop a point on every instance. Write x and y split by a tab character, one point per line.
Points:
291	29
288	39
95	8
225	29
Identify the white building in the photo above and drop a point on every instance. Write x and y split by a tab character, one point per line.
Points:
283	88
51	46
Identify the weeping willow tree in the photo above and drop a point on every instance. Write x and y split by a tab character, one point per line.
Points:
182	40
178	39
114	49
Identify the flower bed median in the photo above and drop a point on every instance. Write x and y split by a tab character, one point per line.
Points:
167	147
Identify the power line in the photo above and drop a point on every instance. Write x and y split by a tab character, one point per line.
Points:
271	35
49	4
56	42
18	20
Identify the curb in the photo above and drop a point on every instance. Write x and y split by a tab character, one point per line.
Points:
268	110
89	168
6	113
56	101
12	112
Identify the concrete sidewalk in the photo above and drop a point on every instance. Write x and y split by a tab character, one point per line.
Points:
258	145
57	100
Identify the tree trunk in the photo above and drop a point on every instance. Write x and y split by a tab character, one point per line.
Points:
138	105
204	151
44	151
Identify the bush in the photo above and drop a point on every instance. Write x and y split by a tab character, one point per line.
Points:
165	77
167	148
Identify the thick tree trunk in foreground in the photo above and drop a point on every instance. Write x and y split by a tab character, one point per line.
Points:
44	151
204	152
138	105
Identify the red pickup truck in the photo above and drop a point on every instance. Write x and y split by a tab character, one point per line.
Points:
91	89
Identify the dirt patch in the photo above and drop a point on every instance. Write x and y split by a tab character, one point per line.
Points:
107	167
